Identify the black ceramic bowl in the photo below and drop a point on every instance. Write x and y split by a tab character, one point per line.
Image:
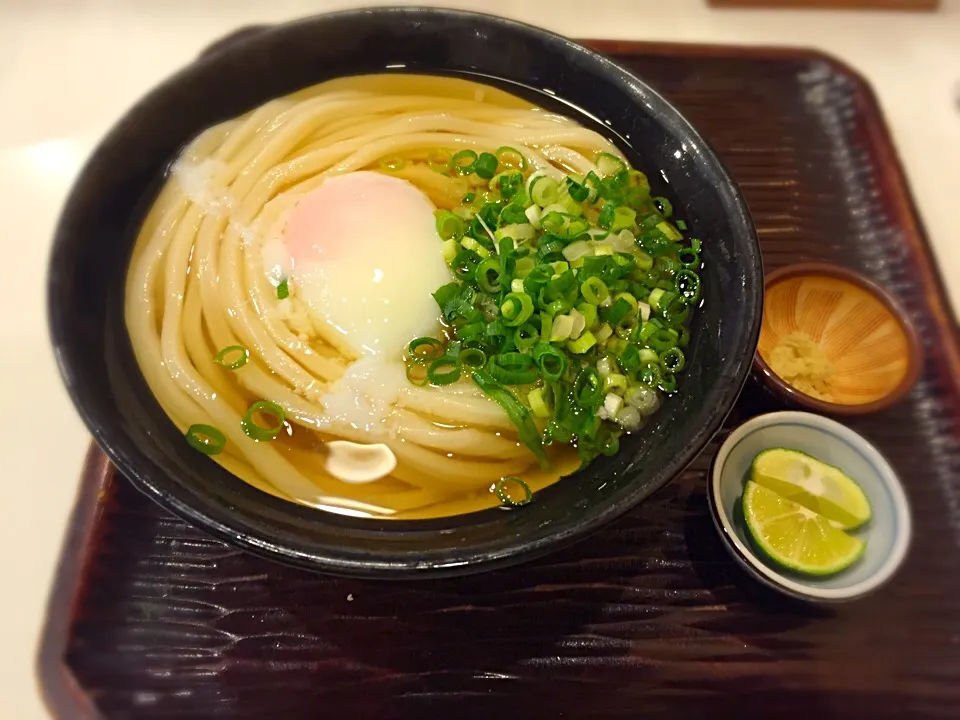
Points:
99	224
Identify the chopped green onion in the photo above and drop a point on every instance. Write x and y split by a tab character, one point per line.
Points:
673	359
502	489
544	190
582	343
589	313
424	349
393	163
688	285
206	439
551	362
576	288
643	261
675	313
516	309
417	374
464	264
689	258
594	290
511	158
485	165
463	162
577	190
650	375
616	381
623	219
474	246
603	333
609	165
526	336
283	290
443	371
668	383
512	368
488	275
670	231
538	403
449	226
662	340
655	296
611	444
607	215
588	389
524	267
222	359
648	357
439	160
665	206
619	311
630	358
472	358
259	432
564	225
510	186
561	328
519	415
449	249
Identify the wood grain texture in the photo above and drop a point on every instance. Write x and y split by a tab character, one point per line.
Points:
649	617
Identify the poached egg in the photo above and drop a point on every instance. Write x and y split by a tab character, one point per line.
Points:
363	254
366	257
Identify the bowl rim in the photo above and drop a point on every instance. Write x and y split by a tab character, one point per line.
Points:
245	533
766	573
892	305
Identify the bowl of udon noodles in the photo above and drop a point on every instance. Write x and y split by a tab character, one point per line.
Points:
403	292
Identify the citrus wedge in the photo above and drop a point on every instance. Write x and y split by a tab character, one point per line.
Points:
796	537
819	487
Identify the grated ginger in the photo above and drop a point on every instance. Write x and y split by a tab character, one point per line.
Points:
800	362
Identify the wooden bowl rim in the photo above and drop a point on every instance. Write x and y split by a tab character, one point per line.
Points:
893	306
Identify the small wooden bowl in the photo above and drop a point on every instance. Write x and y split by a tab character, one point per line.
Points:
865	333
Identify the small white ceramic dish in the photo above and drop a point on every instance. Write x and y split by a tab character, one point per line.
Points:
887	534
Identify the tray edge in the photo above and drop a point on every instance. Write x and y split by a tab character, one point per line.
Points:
59	690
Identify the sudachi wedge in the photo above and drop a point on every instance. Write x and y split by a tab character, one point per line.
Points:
796	537
812	484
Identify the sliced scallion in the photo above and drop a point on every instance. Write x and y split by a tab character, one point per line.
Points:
232	357
472	358
393	163
506	485
485	166
424	349
443	371
463	162
449	226
268	409
206	439
439	160
511	158
517	412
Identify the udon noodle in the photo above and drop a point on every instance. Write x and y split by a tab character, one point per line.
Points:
198	283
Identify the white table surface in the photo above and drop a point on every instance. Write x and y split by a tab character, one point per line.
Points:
69	68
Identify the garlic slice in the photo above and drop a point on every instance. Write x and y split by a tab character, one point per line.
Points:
359	463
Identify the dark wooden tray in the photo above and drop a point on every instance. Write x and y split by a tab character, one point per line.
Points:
150	618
